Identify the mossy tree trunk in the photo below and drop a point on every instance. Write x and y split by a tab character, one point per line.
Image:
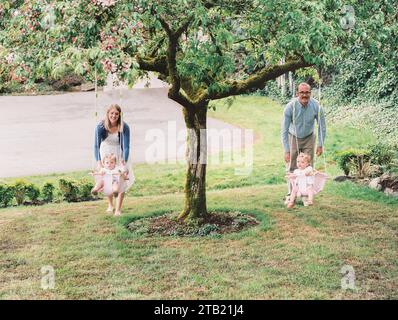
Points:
195	207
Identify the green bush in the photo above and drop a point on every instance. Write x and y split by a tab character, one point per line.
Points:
32	192
375	160
20	188
353	161
6	195
85	190
67	82
73	191
47	192
381	154
69	190
393	167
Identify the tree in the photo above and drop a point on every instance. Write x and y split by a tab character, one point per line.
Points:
369	68
205	49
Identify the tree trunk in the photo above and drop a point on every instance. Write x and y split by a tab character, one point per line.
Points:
195	207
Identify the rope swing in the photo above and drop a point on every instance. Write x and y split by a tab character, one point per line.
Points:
108	177
319	177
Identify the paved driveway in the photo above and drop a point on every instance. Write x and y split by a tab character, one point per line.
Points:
55	133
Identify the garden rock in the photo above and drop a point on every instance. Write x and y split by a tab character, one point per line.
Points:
389	182
343	178
375	184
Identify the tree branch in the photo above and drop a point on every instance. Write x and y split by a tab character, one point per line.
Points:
184	26
165	25
252	39
213	39
153	64
173	37
255	81
157	47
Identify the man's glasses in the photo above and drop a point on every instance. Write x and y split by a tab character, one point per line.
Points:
304	92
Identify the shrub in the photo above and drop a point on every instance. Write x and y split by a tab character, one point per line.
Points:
67	82
356	161
6	195
69	190
85	190
393	167
375	160
47	192
73	191
381	154
32	192
20	188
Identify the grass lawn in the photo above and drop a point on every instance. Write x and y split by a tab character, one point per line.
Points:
292	254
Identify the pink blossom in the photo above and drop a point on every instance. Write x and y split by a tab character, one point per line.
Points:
126	66
108	42
109	66
10	58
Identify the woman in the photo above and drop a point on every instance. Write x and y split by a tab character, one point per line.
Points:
112	135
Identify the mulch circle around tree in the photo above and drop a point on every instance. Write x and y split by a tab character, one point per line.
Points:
217	223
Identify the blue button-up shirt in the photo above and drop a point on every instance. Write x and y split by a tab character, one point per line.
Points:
304	118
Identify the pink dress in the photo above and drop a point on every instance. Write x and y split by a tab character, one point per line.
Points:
108	146
316	180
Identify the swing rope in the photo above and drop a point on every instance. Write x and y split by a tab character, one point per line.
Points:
120	130
121	125
319	120
295	128
96	93
95	110
323	142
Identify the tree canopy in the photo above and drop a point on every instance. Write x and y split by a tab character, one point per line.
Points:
213	48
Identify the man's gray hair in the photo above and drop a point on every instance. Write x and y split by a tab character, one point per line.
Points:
304	84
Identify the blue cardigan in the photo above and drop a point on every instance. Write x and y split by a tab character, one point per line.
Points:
100	135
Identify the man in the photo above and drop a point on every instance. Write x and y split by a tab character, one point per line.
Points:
298	128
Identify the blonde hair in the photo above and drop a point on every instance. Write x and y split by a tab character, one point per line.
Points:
304	156
107	123
110	156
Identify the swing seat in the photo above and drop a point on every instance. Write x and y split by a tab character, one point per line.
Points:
107	189
319	183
